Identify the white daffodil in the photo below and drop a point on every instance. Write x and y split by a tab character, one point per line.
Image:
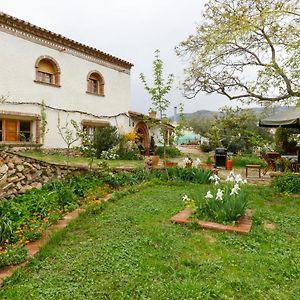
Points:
236	186
231	177
187	160
185	198
219	195
209	195
238	178
235	190
197	162
215	178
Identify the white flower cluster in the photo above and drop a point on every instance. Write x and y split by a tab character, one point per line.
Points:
215	179
235	190
187	160
185	198
110	154
236	178
219	195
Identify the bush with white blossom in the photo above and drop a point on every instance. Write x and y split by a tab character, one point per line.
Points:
110	154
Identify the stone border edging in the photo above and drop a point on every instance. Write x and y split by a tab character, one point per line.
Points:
243	225
34	247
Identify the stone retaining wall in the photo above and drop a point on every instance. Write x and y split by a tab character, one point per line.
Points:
19	174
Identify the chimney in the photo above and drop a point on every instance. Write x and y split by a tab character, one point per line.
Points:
175	114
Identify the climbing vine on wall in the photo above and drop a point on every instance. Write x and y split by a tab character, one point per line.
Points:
44	122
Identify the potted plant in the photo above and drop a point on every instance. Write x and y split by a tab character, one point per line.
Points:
152	113
151	161
209	163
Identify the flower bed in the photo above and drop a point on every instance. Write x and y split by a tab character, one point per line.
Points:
25	218
243	225
225	205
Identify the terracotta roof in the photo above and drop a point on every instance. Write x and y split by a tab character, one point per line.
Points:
44	34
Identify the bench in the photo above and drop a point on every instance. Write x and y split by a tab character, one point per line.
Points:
258	167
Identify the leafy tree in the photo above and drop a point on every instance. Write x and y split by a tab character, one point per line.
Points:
161	87
200	125
68	134
237	130
285	139
237	37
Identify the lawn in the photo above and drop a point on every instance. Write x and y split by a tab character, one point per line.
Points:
59	158
130	250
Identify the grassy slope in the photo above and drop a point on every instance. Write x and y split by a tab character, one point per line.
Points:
63	159
131	251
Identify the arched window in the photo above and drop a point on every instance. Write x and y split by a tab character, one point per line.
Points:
47	71
95	83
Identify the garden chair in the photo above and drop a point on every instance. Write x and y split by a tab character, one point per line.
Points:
269	158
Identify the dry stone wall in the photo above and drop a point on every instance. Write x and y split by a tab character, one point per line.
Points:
19	174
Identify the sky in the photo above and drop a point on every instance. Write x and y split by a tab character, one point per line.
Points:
129	29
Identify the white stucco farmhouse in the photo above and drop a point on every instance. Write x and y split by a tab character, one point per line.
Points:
45	76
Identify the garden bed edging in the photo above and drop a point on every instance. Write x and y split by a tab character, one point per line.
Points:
243	225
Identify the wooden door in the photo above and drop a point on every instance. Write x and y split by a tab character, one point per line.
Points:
11	130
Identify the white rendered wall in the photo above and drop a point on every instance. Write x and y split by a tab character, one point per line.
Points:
17	65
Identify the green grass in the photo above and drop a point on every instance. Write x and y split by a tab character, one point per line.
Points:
240	161
130	250
59	158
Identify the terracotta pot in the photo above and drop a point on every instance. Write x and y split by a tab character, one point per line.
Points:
152	114
155	160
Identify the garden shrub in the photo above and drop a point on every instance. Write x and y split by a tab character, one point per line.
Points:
66	199
185	174
171	174
128	148
288	183
171	152
206	147
106	138
126	154
110	154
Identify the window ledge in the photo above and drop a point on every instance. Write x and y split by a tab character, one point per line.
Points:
94	94
46	83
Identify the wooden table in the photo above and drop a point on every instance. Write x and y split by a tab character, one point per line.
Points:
249	167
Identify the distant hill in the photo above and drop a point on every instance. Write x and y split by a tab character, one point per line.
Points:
201	114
